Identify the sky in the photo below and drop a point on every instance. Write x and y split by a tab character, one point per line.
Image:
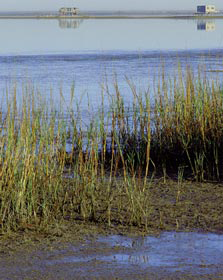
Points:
41	5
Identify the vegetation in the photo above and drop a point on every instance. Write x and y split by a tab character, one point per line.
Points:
54	168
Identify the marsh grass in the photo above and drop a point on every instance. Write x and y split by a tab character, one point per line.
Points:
107	174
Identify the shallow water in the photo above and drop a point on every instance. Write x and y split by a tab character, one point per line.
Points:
172	255
50	55
179	251
94	74
185	252
99	35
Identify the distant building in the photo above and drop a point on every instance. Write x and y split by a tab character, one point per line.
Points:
206	9
68	11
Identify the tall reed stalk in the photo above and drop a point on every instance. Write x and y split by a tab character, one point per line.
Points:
110	163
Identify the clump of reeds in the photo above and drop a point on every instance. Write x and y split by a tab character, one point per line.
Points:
180	129
110	163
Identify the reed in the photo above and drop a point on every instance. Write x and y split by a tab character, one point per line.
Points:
107	173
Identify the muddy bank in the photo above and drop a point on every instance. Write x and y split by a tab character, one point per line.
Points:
167	248
170	255
161	206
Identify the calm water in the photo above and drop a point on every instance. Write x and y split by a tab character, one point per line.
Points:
54	54
189	252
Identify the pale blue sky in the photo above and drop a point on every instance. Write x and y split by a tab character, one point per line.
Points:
29	5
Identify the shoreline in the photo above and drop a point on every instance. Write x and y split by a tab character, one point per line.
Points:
113	17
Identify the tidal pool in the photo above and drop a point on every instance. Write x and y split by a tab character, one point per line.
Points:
198	253
171	255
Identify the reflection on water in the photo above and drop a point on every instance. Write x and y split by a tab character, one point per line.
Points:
206	25
70	23
59	54
176	251
138	259
50	36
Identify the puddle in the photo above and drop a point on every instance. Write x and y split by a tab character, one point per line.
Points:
185	252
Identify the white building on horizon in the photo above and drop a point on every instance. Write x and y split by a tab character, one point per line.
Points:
206	9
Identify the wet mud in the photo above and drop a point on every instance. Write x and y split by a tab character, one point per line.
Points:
183	240
170	255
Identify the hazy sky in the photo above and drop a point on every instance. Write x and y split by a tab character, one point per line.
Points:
28	5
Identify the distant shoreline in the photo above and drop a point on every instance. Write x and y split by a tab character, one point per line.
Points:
112	17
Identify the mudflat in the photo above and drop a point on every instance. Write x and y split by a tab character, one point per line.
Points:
183	241
170	255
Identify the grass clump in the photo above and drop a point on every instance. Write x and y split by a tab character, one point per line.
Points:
54	168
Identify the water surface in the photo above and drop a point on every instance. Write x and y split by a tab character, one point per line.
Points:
71	36
172	255
51	55
184	252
